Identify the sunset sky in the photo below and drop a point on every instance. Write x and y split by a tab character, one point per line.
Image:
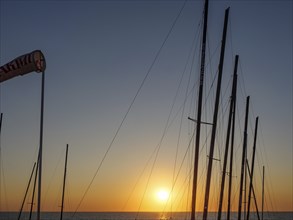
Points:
98	53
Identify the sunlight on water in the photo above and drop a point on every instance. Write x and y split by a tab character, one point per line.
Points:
140	216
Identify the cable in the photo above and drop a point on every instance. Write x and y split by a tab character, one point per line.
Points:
130	106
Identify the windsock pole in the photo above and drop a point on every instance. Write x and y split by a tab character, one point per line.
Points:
41	147
30	62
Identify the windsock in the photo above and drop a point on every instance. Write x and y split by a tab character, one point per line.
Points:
30	62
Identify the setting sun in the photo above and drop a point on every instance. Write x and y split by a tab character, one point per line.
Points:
162	195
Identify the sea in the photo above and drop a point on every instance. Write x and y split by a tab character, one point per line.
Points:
137	216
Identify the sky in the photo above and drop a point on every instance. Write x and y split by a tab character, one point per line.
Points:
98	53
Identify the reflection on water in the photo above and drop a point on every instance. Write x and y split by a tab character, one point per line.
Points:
138	216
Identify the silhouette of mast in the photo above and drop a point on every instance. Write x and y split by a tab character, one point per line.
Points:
199	110
215	117
64	180
232	103
252	168
231	153
243	158
1	116
263	191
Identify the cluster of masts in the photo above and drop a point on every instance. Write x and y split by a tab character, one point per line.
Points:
230	136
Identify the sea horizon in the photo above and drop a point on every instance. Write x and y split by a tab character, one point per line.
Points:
147	215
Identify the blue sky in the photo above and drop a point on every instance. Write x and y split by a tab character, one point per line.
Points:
97	54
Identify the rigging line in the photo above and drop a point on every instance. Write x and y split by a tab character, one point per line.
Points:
165	131
242	79
131	104
268	176
1	165
220	135
137	181
215	75
147	163
185	99
261	131
178	140
52	177
181	165
169	116
185	181
68	193
168	125
231	38
2	174
149	178
270	182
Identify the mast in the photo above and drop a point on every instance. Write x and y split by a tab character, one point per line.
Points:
64	179
252	168
199	109
27	188
243	158
253	192
34	190
231	153
245	187
1	116
263	191
232	103
41	147
215	117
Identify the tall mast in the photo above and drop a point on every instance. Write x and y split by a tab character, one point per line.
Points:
1	116
199	108
64	179
215	117
41	147
252	168
243	158
232	103
231	152
263	191
245	187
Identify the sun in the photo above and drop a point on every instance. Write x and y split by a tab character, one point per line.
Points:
162	195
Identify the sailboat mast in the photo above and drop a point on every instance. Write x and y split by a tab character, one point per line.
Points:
232	145
215	117
263	191
232	101
199	110
252	168
64	180
243	158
